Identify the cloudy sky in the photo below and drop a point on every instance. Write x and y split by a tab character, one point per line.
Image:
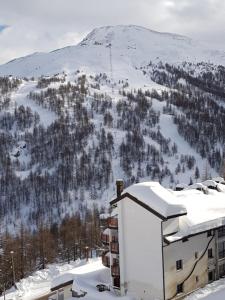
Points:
28	26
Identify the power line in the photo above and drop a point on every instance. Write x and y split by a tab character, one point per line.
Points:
111	66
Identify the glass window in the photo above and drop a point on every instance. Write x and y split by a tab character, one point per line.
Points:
222	270
221	231
210	276
221	248
210	254
180	288
179	264
209	233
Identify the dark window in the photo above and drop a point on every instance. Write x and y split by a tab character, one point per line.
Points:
210	254
210	276
221	248
222	270
209	233
185	239
115	261
196	255
221	231
196	279
179	264
114	238
180	288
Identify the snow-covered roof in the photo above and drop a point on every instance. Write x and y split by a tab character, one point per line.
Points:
196	186
157	198
219	179
104	216
209	183
197	211
204	212
181	185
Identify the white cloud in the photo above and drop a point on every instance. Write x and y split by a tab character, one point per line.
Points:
45	25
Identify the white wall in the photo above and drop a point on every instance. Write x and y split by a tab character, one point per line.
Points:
140	251
186	252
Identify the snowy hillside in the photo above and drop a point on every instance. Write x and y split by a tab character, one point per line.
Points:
131	103
131	47
126	102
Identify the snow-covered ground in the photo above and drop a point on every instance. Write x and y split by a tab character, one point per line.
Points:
20	97
86	275
213	291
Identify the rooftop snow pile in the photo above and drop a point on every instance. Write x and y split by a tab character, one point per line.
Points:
157	197
198	209
204	211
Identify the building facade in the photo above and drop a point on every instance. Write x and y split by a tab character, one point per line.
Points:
160	244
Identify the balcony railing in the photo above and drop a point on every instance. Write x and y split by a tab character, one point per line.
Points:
105	238
115	271
105	261
113	223
114	247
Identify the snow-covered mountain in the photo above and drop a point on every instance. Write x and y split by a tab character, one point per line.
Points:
131	48
126	102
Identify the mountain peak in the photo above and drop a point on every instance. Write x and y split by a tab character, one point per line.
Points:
132	47
113	34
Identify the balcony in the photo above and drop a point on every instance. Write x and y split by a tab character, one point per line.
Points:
114	247
113	223
116	282
115	271
105	260
105	238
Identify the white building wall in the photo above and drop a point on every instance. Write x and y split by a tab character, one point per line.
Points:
186	252
140	246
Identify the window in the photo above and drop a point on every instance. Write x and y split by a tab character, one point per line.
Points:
196	255
179	264
222	270
209	233
196	279
180	288
210	254
221	231
210	276
221	248
115	261
185	239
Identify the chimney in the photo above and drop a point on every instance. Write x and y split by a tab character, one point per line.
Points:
119	187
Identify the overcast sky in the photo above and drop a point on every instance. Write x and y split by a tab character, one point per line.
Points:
28	26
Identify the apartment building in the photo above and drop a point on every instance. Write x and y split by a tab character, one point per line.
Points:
163	244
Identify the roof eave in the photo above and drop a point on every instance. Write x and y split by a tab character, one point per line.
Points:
147	207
